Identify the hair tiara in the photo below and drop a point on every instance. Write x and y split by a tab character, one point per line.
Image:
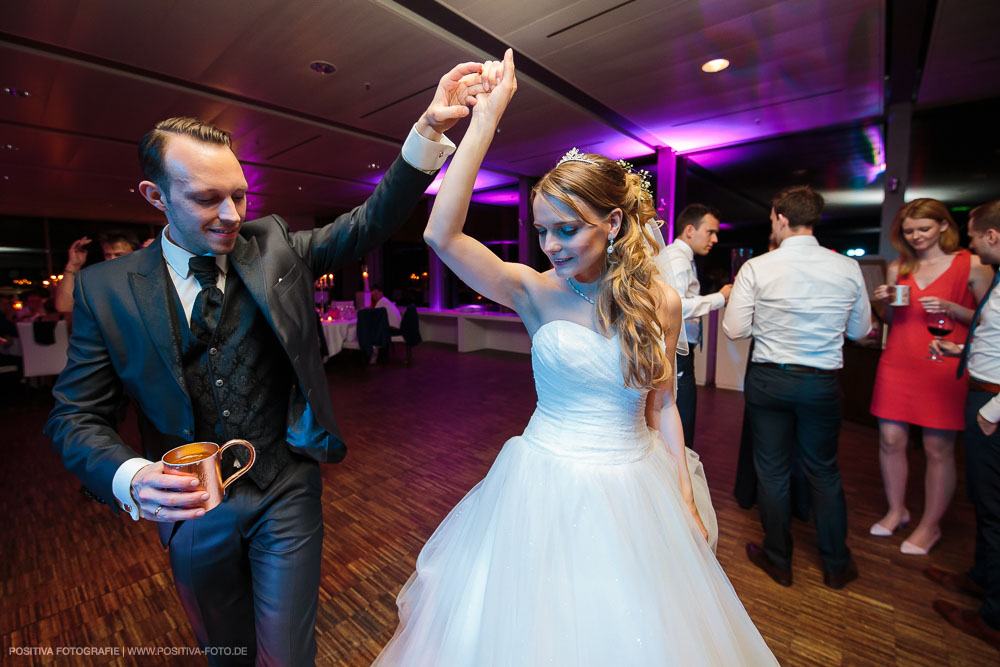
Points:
645	186
575	156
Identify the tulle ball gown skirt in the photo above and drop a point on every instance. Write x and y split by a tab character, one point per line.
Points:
556	561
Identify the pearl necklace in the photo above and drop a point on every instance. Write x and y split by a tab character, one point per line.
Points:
575	289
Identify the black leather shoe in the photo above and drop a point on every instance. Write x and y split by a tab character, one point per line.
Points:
956	583
969	622
842	578
761	560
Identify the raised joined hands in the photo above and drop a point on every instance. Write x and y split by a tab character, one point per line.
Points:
455	94
498	86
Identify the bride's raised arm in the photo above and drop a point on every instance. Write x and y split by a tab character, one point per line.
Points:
473	262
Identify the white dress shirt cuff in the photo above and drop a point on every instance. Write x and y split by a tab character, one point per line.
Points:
426	155
121	485
991	411
718	300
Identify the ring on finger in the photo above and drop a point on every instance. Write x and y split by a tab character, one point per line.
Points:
156	512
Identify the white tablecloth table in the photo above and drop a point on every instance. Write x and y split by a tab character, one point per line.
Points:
338	332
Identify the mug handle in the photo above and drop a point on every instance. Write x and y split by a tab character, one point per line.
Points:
242	471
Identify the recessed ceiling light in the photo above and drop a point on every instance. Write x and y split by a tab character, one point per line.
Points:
373	165
322	67
716	65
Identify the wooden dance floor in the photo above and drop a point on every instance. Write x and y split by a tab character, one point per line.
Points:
74	575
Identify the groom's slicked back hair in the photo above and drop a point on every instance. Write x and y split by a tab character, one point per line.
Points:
153	143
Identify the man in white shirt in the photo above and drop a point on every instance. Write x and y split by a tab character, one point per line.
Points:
797	302
379	300
696	231
212	331
982	445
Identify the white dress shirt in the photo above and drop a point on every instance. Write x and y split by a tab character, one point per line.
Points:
418	151
391	310
676	262
984	357
797	302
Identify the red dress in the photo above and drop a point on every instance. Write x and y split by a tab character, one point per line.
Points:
908	386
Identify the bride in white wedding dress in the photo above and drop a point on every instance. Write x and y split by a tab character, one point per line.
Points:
589	540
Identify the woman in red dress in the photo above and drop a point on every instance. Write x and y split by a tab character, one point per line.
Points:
910	388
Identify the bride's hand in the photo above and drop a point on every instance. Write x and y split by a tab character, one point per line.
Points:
499	84
697	519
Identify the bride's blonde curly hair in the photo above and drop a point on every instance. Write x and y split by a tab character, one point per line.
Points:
626	298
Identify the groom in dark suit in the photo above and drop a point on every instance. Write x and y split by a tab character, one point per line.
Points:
211	331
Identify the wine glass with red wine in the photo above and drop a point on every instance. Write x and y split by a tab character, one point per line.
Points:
940	325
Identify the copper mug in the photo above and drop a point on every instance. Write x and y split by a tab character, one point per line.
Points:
202	460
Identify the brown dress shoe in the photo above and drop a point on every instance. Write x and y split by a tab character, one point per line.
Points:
760	559
842	578
969	622
956	583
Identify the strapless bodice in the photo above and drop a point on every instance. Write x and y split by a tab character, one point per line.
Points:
584	409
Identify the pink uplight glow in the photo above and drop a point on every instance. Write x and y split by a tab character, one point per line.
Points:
484	179
501	197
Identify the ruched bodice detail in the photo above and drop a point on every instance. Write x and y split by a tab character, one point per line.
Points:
584	409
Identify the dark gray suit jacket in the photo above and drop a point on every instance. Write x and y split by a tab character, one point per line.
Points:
124	341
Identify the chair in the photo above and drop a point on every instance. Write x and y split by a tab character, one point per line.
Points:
39	360
372	329
409	331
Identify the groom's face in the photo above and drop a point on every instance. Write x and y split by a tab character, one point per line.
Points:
205	202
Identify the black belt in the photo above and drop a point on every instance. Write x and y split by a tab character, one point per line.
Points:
979	385
796	368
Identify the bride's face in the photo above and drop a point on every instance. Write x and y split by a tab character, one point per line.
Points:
576	247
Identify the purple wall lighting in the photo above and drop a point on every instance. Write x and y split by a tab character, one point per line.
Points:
499	197
875	155
484	180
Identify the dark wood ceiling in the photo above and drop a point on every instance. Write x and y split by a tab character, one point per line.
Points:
621	78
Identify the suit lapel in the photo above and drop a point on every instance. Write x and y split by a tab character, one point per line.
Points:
245	260
152	298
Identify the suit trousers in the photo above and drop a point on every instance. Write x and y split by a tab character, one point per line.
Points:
982	482
794	410
687	396
248	572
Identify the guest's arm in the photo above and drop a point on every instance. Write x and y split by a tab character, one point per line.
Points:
698	305
980	277
738	321
64	290
884	293
859	320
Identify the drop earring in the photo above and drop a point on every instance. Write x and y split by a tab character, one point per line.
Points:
611	244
